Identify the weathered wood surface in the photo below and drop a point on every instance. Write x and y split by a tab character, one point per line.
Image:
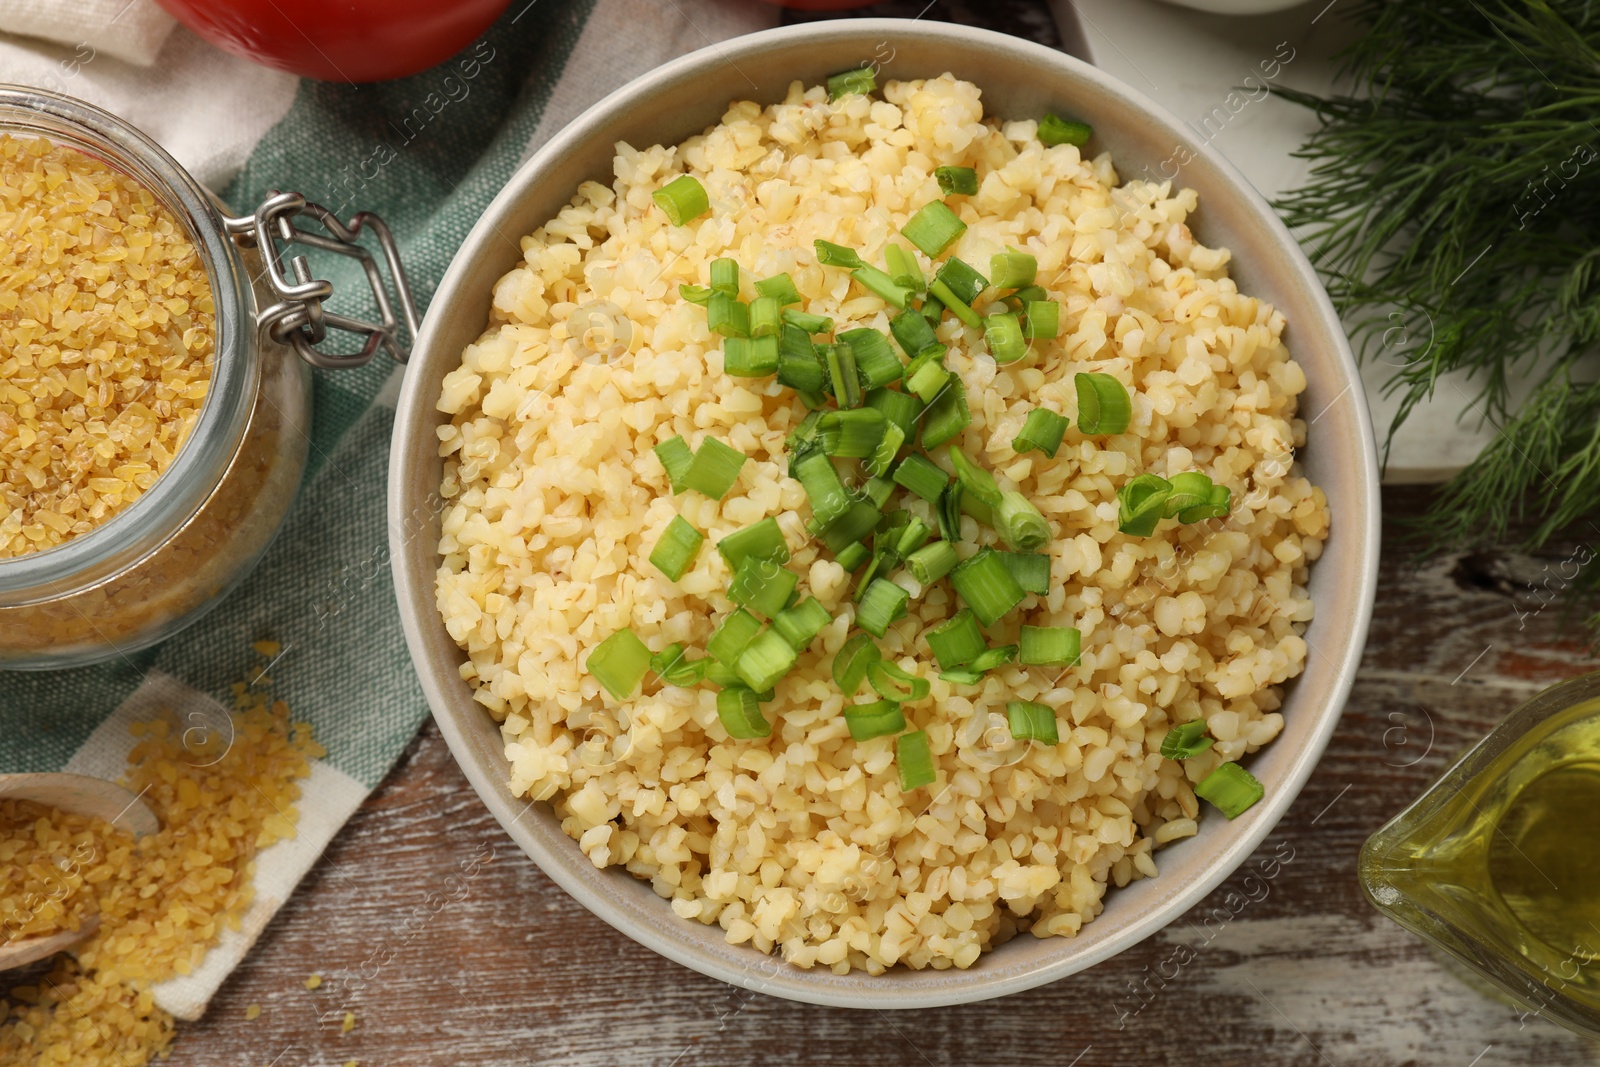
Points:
499	966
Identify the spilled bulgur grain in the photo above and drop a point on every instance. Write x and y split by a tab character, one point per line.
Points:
163	899
106	341
804	840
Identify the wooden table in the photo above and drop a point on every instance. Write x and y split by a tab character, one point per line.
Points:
507	969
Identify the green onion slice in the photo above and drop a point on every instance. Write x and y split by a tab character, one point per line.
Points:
990	658
931	562
832	255
852	434
882	458
856	523
761	540
914	760
677	457
883	603
1103	404
851	663
1030	569
753	357
1020	524
956	641
947	415
876	363
961	676
727	316
860	81
975	481
1216	507
1041	319
732	636
913	333
677	548
1232	789
766	315
1190	489
928	380
762	587
956	181
725	276
986	586
950	512
765	660
619	663
919	474
781	288
740	714
1043	429
1012	270
880	284
683	199
1003	334
1054	130
852	556
903	267
811	324
798	365
1031	722
962	279
1142	503
714	470
895	683
947	298
933	228
880	718
676	669
695	294
902	409
877	492
1186	739
801	624
1048	646
841	363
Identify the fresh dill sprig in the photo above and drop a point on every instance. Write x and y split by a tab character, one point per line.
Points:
1454	205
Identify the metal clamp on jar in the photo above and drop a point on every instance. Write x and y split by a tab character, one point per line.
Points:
163	560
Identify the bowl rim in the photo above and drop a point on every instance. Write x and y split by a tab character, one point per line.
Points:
422	627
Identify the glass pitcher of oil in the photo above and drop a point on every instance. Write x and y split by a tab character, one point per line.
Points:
1498	863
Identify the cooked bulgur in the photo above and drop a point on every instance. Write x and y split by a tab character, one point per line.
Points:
804	839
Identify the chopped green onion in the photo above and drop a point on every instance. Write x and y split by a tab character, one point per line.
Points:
1043	429
895	683
902	409
619	663
841	363
956	641
990	658
798	365
971	505
852	556
674	668
933	228
877	492
961	676
732	636
762	587
882	457
714	470
928	380
803	438
881	285
931	562
852	434
883	603
676	456
1003	334
919	474
914	760
760	540
811	324
679	544
750	357
781	288
1186	739
765	316
962	279
1232	789
1030	569
913	333
877	719
860	81
727	316
946	415
1019	523
720	674
977	482
859	521
695	294
684	199
740	714
1031	722
1216	506
986	586
1103	404
1189	490
959	309
801	624
1141	504
1012	270
832	255
958	181
725	276
813	399
876	363
903	267
1048	646
1054	131
851	663
1026	295
933	308
765	660
950	512
1041	319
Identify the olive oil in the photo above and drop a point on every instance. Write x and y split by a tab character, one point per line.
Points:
1498	864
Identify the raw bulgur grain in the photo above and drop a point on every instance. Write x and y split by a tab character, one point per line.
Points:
804	840
106	342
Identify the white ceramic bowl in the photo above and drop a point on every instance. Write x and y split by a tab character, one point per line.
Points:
1018	79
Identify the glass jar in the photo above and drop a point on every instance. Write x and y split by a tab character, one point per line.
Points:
173	553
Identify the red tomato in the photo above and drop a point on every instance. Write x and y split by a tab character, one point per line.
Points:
339	40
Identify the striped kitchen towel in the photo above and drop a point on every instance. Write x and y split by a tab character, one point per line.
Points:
427	153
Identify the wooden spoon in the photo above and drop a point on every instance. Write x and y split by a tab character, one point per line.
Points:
82	795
